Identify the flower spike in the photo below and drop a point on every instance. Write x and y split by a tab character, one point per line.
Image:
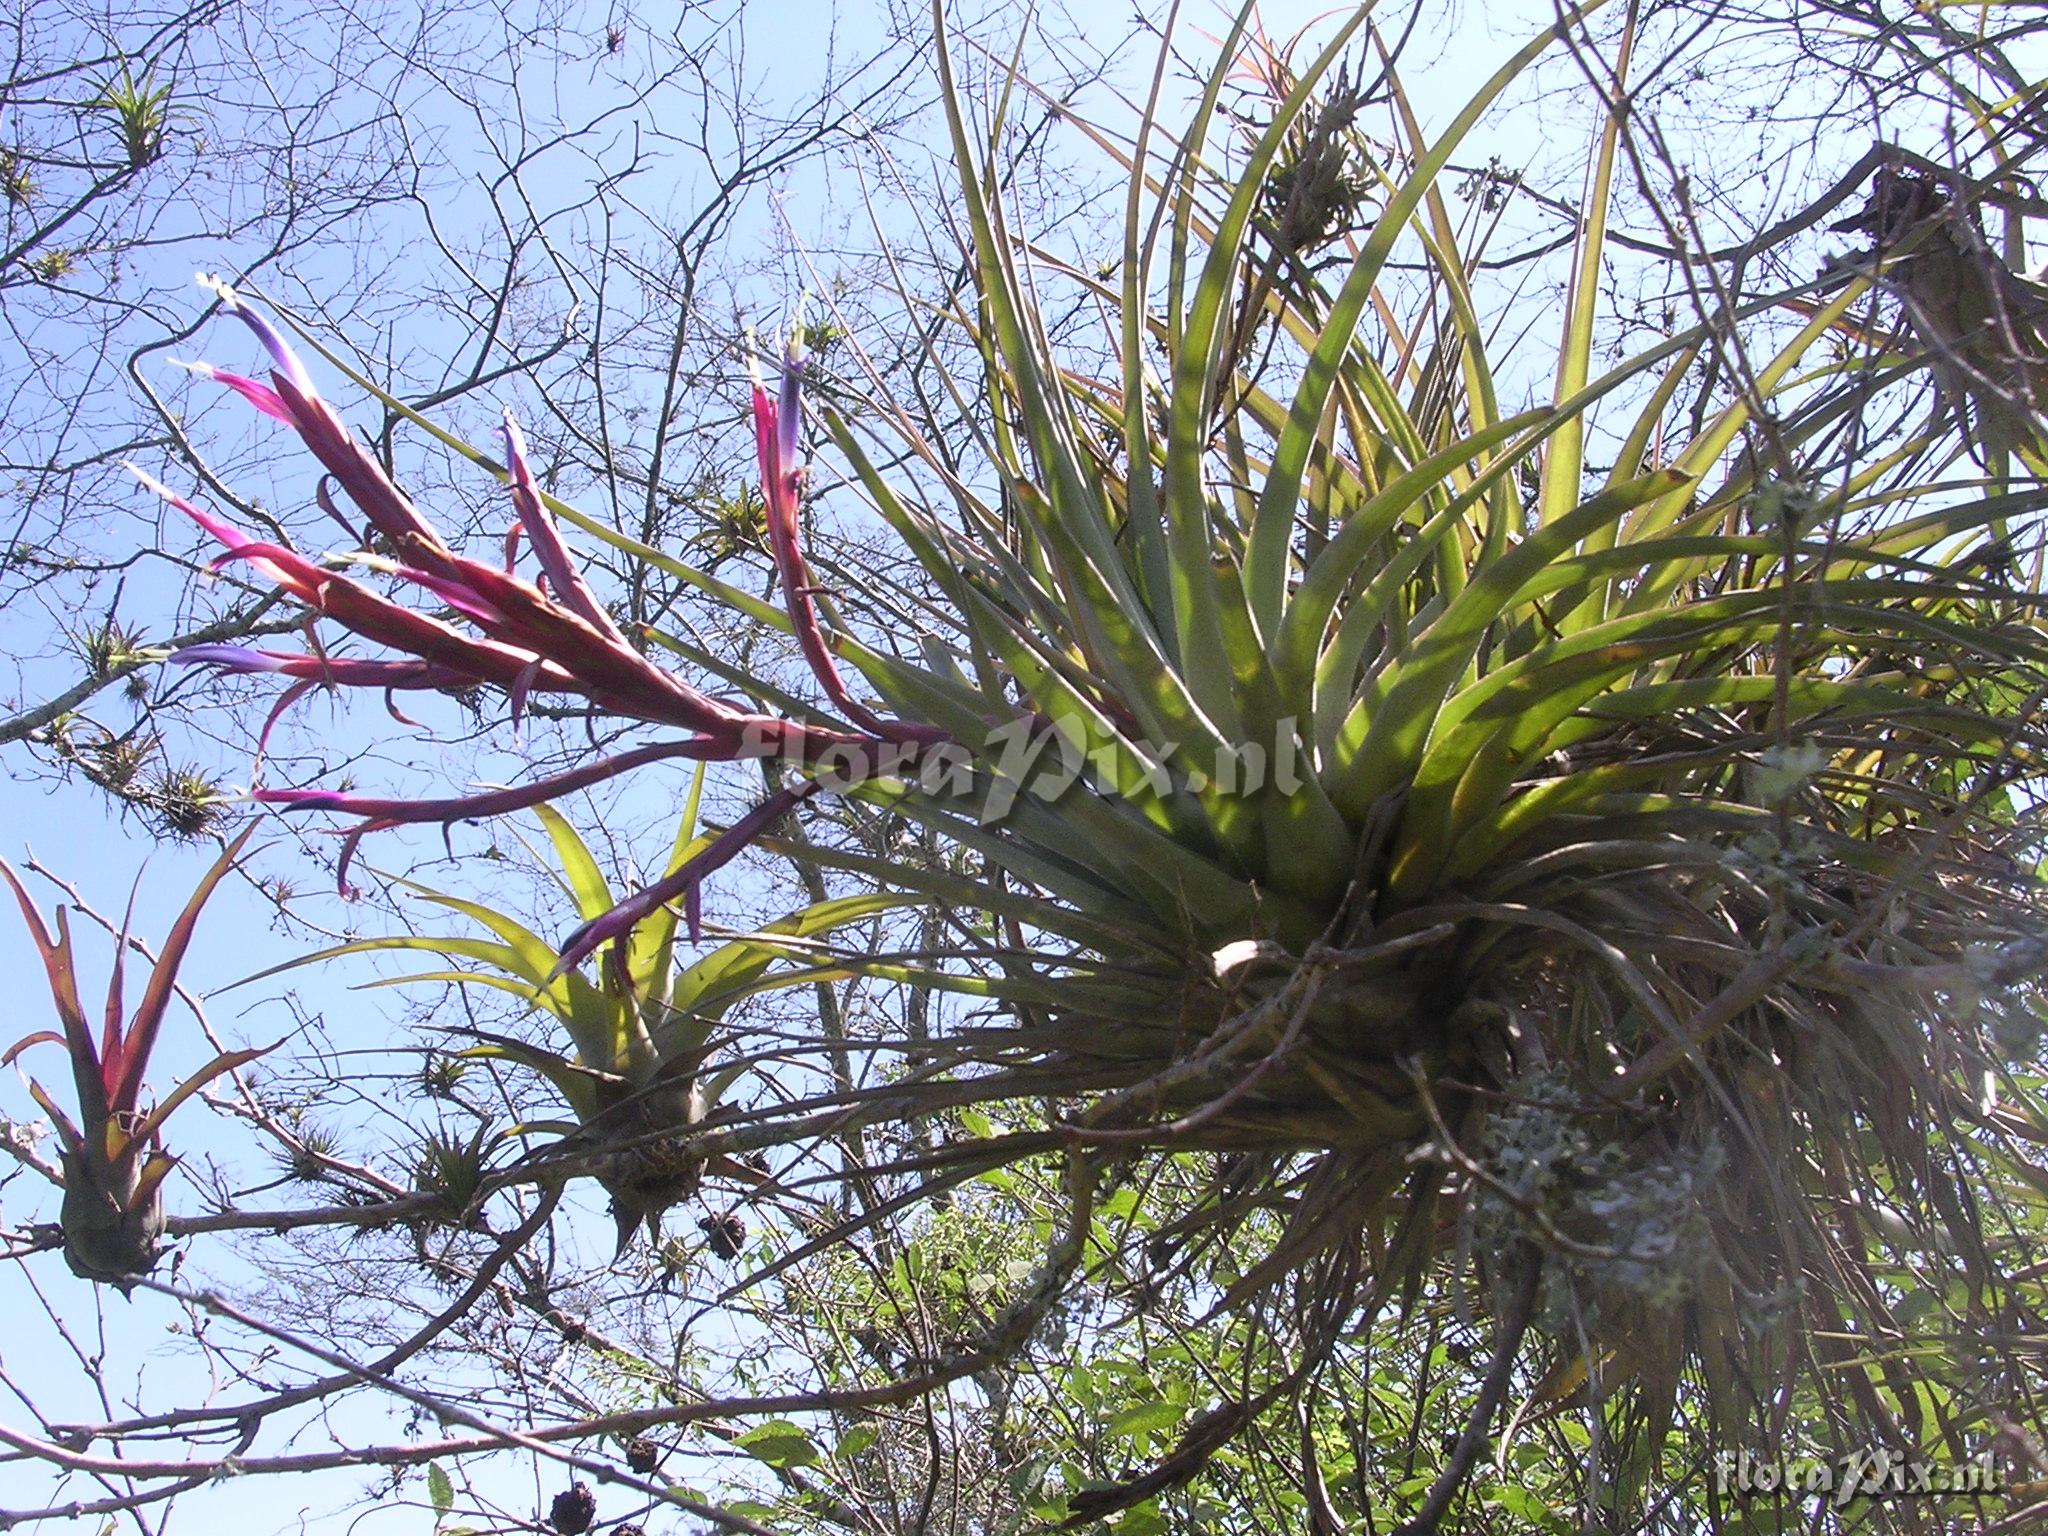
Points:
264	398
548	636
778	423
546	539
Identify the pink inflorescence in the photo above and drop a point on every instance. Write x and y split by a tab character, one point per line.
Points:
548	636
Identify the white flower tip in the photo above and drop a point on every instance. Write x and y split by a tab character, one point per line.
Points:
146	478
204	370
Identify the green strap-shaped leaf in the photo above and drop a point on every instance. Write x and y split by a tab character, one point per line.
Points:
1300	639
1061	503
581	1089
1339	691
1201	591
1515	715
651	950
1266	564
1092	929
1420	680
586	882
700	989
1144	514
535	961
224	1063
1564	454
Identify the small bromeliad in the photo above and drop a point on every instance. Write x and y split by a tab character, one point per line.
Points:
112	1156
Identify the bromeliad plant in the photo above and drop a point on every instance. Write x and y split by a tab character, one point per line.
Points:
642	1031
1590	837
112	1156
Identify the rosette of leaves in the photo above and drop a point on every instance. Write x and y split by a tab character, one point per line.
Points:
112	1155
1631	738
1393	748
641	1029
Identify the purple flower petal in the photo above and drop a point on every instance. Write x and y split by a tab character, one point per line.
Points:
789	410
230	658
280	351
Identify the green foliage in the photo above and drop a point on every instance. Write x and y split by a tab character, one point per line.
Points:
1541	890
1633	811
17	182
780	1444
141	112
452	1167
440	1491
186	802
636	1078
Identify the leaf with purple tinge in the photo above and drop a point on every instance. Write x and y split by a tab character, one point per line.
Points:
112	1155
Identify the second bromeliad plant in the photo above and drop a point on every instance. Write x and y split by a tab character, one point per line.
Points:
112	1160
642	1031
1653	845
